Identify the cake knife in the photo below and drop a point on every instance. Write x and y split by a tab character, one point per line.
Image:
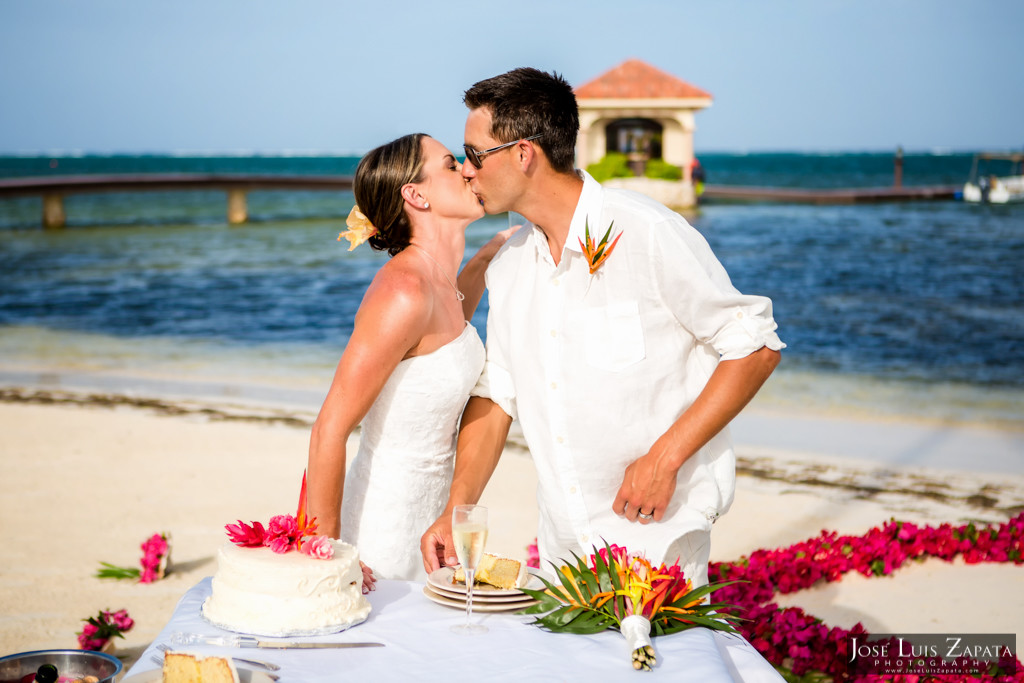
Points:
180	638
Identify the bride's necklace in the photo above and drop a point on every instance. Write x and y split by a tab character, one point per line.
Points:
459	295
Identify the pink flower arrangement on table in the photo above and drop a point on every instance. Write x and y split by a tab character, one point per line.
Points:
98	630
284	533
156	556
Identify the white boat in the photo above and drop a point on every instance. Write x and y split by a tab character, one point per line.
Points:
996	178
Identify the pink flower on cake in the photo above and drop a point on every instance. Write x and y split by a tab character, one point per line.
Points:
318	547
281	544
283	525
246	536
284	533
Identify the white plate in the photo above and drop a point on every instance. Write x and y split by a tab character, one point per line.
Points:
479	596
478	606
443	579
154	676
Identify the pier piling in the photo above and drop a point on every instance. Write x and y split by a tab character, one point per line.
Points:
53	211
237	210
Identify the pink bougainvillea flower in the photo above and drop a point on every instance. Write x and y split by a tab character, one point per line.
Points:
532	556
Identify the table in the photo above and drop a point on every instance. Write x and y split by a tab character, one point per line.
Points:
420	646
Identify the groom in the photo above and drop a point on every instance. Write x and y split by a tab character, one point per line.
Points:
624	376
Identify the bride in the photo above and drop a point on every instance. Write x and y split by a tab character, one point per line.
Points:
410	363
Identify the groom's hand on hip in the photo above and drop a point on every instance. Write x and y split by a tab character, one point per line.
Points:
647	488
436	545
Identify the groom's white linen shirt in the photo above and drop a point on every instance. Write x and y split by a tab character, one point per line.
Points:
597	367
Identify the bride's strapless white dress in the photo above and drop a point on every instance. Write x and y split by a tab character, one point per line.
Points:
398	483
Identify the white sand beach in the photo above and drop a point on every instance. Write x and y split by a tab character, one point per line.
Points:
89	478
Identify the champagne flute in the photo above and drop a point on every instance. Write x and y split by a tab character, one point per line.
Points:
469	533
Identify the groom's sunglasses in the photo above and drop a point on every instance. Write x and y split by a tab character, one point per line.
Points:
477	158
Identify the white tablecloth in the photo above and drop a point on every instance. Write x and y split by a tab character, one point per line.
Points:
419	646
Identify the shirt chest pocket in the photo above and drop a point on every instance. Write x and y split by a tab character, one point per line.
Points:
613	338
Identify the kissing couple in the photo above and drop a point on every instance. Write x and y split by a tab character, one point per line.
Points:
623	365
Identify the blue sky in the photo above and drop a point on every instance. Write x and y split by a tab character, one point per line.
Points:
298	76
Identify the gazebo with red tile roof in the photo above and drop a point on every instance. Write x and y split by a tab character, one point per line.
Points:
642	111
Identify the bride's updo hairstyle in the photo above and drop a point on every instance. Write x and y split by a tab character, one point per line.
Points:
378	189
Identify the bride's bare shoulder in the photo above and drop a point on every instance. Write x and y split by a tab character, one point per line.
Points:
399	291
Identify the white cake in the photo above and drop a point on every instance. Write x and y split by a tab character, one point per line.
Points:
260	592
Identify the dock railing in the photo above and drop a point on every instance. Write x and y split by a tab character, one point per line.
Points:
53	189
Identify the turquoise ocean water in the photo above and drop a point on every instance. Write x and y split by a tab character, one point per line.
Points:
911	307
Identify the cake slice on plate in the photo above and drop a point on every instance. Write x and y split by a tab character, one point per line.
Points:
183	667
494	571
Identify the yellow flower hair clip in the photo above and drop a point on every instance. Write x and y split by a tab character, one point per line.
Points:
359	230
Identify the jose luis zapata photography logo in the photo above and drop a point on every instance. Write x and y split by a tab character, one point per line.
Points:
932	654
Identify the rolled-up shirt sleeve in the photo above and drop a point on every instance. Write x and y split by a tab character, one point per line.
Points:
495	380
496	384
698	291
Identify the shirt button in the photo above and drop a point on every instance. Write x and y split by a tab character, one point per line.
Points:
560	439
554	333
585	539
572	490
554	385
555	282
739	314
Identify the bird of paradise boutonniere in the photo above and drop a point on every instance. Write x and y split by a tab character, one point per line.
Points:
613	589
597	253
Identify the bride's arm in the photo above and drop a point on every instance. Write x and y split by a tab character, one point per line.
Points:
391	320
471	278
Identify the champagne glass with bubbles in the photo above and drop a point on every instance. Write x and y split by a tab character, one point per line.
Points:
469	533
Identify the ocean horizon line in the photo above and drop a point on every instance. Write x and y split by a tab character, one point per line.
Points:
938	151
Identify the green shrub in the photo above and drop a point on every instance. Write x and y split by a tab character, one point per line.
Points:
616	165
662	170
613	165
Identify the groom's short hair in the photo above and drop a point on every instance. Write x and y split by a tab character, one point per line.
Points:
527	101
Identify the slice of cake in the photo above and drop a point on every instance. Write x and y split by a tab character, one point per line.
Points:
182	667
494	571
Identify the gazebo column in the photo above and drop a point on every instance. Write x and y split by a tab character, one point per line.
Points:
590	143
677	143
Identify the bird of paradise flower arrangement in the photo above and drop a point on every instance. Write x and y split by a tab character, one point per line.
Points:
597	253
613	589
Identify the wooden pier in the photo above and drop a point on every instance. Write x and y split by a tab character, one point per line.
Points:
854	195
53	189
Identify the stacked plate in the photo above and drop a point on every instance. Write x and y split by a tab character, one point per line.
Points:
442	589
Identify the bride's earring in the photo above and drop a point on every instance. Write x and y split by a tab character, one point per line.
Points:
426	205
